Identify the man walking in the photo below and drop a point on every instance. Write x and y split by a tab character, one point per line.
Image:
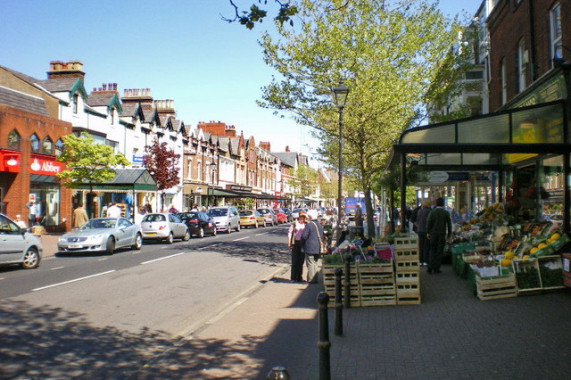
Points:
438	225
79	216
311	239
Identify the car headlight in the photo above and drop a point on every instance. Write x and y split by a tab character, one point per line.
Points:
62	239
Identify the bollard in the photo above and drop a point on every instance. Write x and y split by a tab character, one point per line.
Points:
338	303
323	344
347	298
278	373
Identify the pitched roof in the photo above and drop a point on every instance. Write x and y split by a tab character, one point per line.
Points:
19	100
99	99
130	109
58	84
287	158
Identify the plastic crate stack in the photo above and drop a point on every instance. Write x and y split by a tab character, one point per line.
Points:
407	274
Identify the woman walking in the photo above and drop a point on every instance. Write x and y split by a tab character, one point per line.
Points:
294	243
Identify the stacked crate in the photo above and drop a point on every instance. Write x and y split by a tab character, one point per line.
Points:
407	274
376	283
329	283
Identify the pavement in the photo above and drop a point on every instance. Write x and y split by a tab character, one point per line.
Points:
450	335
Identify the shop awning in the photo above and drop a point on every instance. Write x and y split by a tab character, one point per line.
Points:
127	179
488	141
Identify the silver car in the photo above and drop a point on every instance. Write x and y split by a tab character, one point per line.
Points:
17	246
164	226
226	218
102	235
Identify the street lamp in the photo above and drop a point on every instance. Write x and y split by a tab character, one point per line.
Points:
340	94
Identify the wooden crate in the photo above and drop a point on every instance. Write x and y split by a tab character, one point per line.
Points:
408	294
406	255
489	288
527	275
412	277
551	272
365	267
407	266
377	290
406	243
378	300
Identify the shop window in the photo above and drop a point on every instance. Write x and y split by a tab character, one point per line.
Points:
35	143
14	140
555	39
59	147
47	146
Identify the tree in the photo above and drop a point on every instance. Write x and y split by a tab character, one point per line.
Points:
162	165
256	14
303	184
388	53
88	162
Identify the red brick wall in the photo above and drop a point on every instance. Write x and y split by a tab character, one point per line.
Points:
16	186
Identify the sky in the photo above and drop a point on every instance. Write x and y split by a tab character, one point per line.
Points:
180	49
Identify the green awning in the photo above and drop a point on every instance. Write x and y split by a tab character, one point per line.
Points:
127	179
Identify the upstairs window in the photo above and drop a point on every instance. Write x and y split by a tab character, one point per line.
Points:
35	143
59	147
74	103
522	59
47	146
503	83
14	140
555	39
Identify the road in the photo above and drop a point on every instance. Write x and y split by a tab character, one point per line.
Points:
104	306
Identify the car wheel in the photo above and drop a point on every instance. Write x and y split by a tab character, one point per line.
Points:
170	239
31	259
228	229
186	236
138	242
256	225
110	246
201	232
214	232
238	227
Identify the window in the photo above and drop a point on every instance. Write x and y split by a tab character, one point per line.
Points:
522	59
555	40
59	147
189	169
35	143
504	82
112	115
14	140
47	146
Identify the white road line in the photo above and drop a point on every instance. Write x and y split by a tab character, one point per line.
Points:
208	247
102	259
163	258
263	233
242	238
56	268
74	280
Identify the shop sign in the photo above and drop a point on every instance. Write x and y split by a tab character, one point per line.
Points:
9	161
137	160
437	176
46	166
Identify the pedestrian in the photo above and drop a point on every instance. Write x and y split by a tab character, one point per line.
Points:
173	210
420	225
294	243
114	211
31	213
438	225
79	216
327	231
311	238
20	222
359	220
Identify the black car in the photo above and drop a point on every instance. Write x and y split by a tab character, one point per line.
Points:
199	223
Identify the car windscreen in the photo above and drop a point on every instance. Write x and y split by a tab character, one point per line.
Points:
99	223
218	212
188	216
246	213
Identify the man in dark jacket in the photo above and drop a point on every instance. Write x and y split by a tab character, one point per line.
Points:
437	225
311	245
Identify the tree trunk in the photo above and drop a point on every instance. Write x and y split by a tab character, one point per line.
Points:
370	214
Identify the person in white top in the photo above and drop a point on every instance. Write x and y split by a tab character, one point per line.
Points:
114	211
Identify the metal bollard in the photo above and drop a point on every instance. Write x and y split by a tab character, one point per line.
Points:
278	373
323	344
338	303
347	298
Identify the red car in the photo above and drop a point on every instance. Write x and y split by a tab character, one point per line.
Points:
282	218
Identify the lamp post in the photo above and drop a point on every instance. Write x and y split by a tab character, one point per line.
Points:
340	94
213	182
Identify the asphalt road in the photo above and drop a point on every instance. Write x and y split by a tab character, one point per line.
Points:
160	292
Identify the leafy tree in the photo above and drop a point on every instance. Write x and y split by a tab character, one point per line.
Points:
303	184
162	164
387	53
256	14
88	162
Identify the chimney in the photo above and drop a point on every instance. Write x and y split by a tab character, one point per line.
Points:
265	145
287	148
70	69
137	95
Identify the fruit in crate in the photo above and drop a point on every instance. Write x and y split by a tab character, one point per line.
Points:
510	255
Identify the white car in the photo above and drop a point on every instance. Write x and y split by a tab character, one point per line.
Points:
164	226
226	218
17	246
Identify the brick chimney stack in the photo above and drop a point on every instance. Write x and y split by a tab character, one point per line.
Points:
218	128
287	148
70	69
138	95
265	145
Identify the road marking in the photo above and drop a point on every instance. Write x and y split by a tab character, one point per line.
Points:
242	238
56	268
263	233
74	280
163	258
102	259
207	247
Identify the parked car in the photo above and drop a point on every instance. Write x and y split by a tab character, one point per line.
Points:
280	216
295	212
164	226
102	235
251	218
198	223
226	218
287	211
269	215
18	246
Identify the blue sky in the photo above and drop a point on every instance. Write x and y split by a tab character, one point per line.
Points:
180	49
